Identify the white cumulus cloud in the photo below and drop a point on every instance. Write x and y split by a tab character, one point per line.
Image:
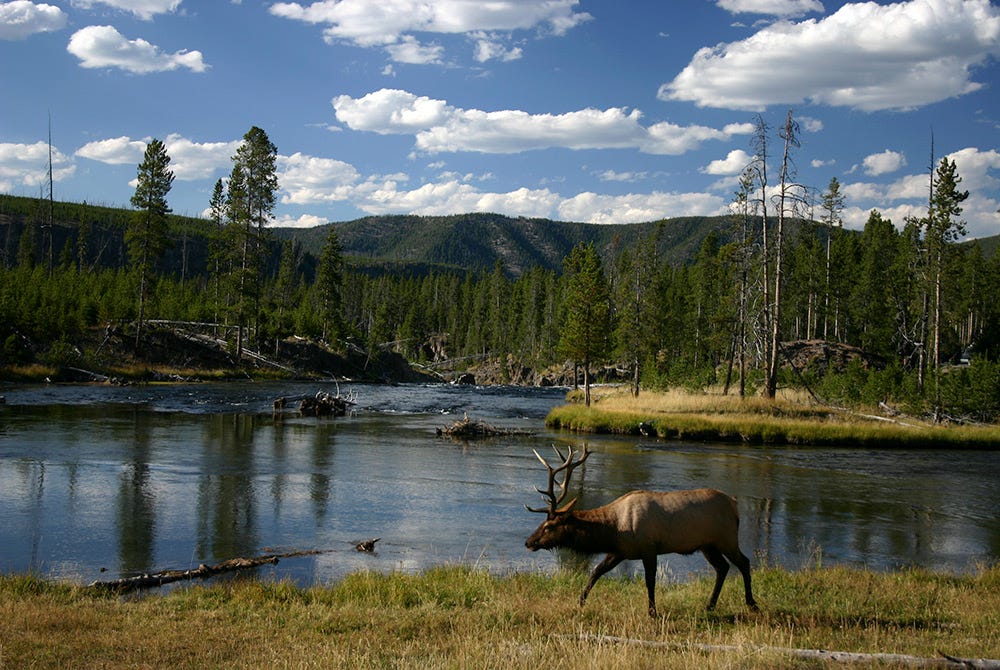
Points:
907	196
144	9
884	162
308	180
734	163
192	160
114	151
394	22
490	46
286	221
865	56
21	18
771	7
27	165
638	207
439	127
103	46
409	50
189	160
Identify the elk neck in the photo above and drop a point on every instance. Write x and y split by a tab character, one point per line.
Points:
593	530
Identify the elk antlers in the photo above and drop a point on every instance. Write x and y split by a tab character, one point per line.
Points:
568	466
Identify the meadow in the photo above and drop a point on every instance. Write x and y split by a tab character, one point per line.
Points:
453	617
791	418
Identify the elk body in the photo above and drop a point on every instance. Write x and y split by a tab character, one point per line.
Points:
641	525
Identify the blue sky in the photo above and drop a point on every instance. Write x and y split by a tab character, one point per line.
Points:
575	110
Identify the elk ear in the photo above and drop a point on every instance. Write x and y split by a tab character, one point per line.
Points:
568	507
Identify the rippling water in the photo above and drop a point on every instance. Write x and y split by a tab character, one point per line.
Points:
135	479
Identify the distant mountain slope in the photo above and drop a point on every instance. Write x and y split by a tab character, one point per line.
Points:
376	244
477	241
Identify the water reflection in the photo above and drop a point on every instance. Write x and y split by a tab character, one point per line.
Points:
136	508
133	487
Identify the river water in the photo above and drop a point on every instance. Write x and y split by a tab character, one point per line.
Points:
99	482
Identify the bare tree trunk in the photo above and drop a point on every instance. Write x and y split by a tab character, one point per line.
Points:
788	133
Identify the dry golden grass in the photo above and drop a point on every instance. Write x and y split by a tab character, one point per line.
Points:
461	618
792	418
791	402
33	372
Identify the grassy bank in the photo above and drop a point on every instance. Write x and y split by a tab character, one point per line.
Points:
790	419
461	618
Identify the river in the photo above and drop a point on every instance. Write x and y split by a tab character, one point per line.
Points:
98	482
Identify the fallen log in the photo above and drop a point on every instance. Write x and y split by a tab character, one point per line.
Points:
157	579
946	660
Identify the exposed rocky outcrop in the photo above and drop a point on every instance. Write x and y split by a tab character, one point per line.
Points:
821	356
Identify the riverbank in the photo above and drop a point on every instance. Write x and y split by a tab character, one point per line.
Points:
792	418
463	618
181	353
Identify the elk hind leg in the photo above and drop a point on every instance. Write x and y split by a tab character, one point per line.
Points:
649	567
609	563
721	565
740	560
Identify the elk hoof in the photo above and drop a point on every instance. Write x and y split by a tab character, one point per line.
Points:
652	612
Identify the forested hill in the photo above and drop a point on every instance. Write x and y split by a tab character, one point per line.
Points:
94	236
477	241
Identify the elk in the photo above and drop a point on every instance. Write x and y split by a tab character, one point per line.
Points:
641	525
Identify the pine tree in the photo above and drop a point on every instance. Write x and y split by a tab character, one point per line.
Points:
217	252
586	335
833	205
872	299
944	228
252	187
146	236
330	285
636	272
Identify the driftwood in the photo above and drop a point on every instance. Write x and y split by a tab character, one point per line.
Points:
321	404
467	428
157	579
946	660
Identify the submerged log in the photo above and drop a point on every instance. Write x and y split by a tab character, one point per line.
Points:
157	579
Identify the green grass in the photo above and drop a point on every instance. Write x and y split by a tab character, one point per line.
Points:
461	618
756	421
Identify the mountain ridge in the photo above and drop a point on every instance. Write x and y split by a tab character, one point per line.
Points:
477	241
399	243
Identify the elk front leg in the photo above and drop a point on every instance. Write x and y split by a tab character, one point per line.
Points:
609	563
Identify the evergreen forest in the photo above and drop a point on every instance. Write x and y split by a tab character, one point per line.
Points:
911	310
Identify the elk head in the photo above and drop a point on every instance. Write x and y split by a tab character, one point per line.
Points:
557	527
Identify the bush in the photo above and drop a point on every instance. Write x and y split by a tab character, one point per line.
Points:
16	350
61	354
